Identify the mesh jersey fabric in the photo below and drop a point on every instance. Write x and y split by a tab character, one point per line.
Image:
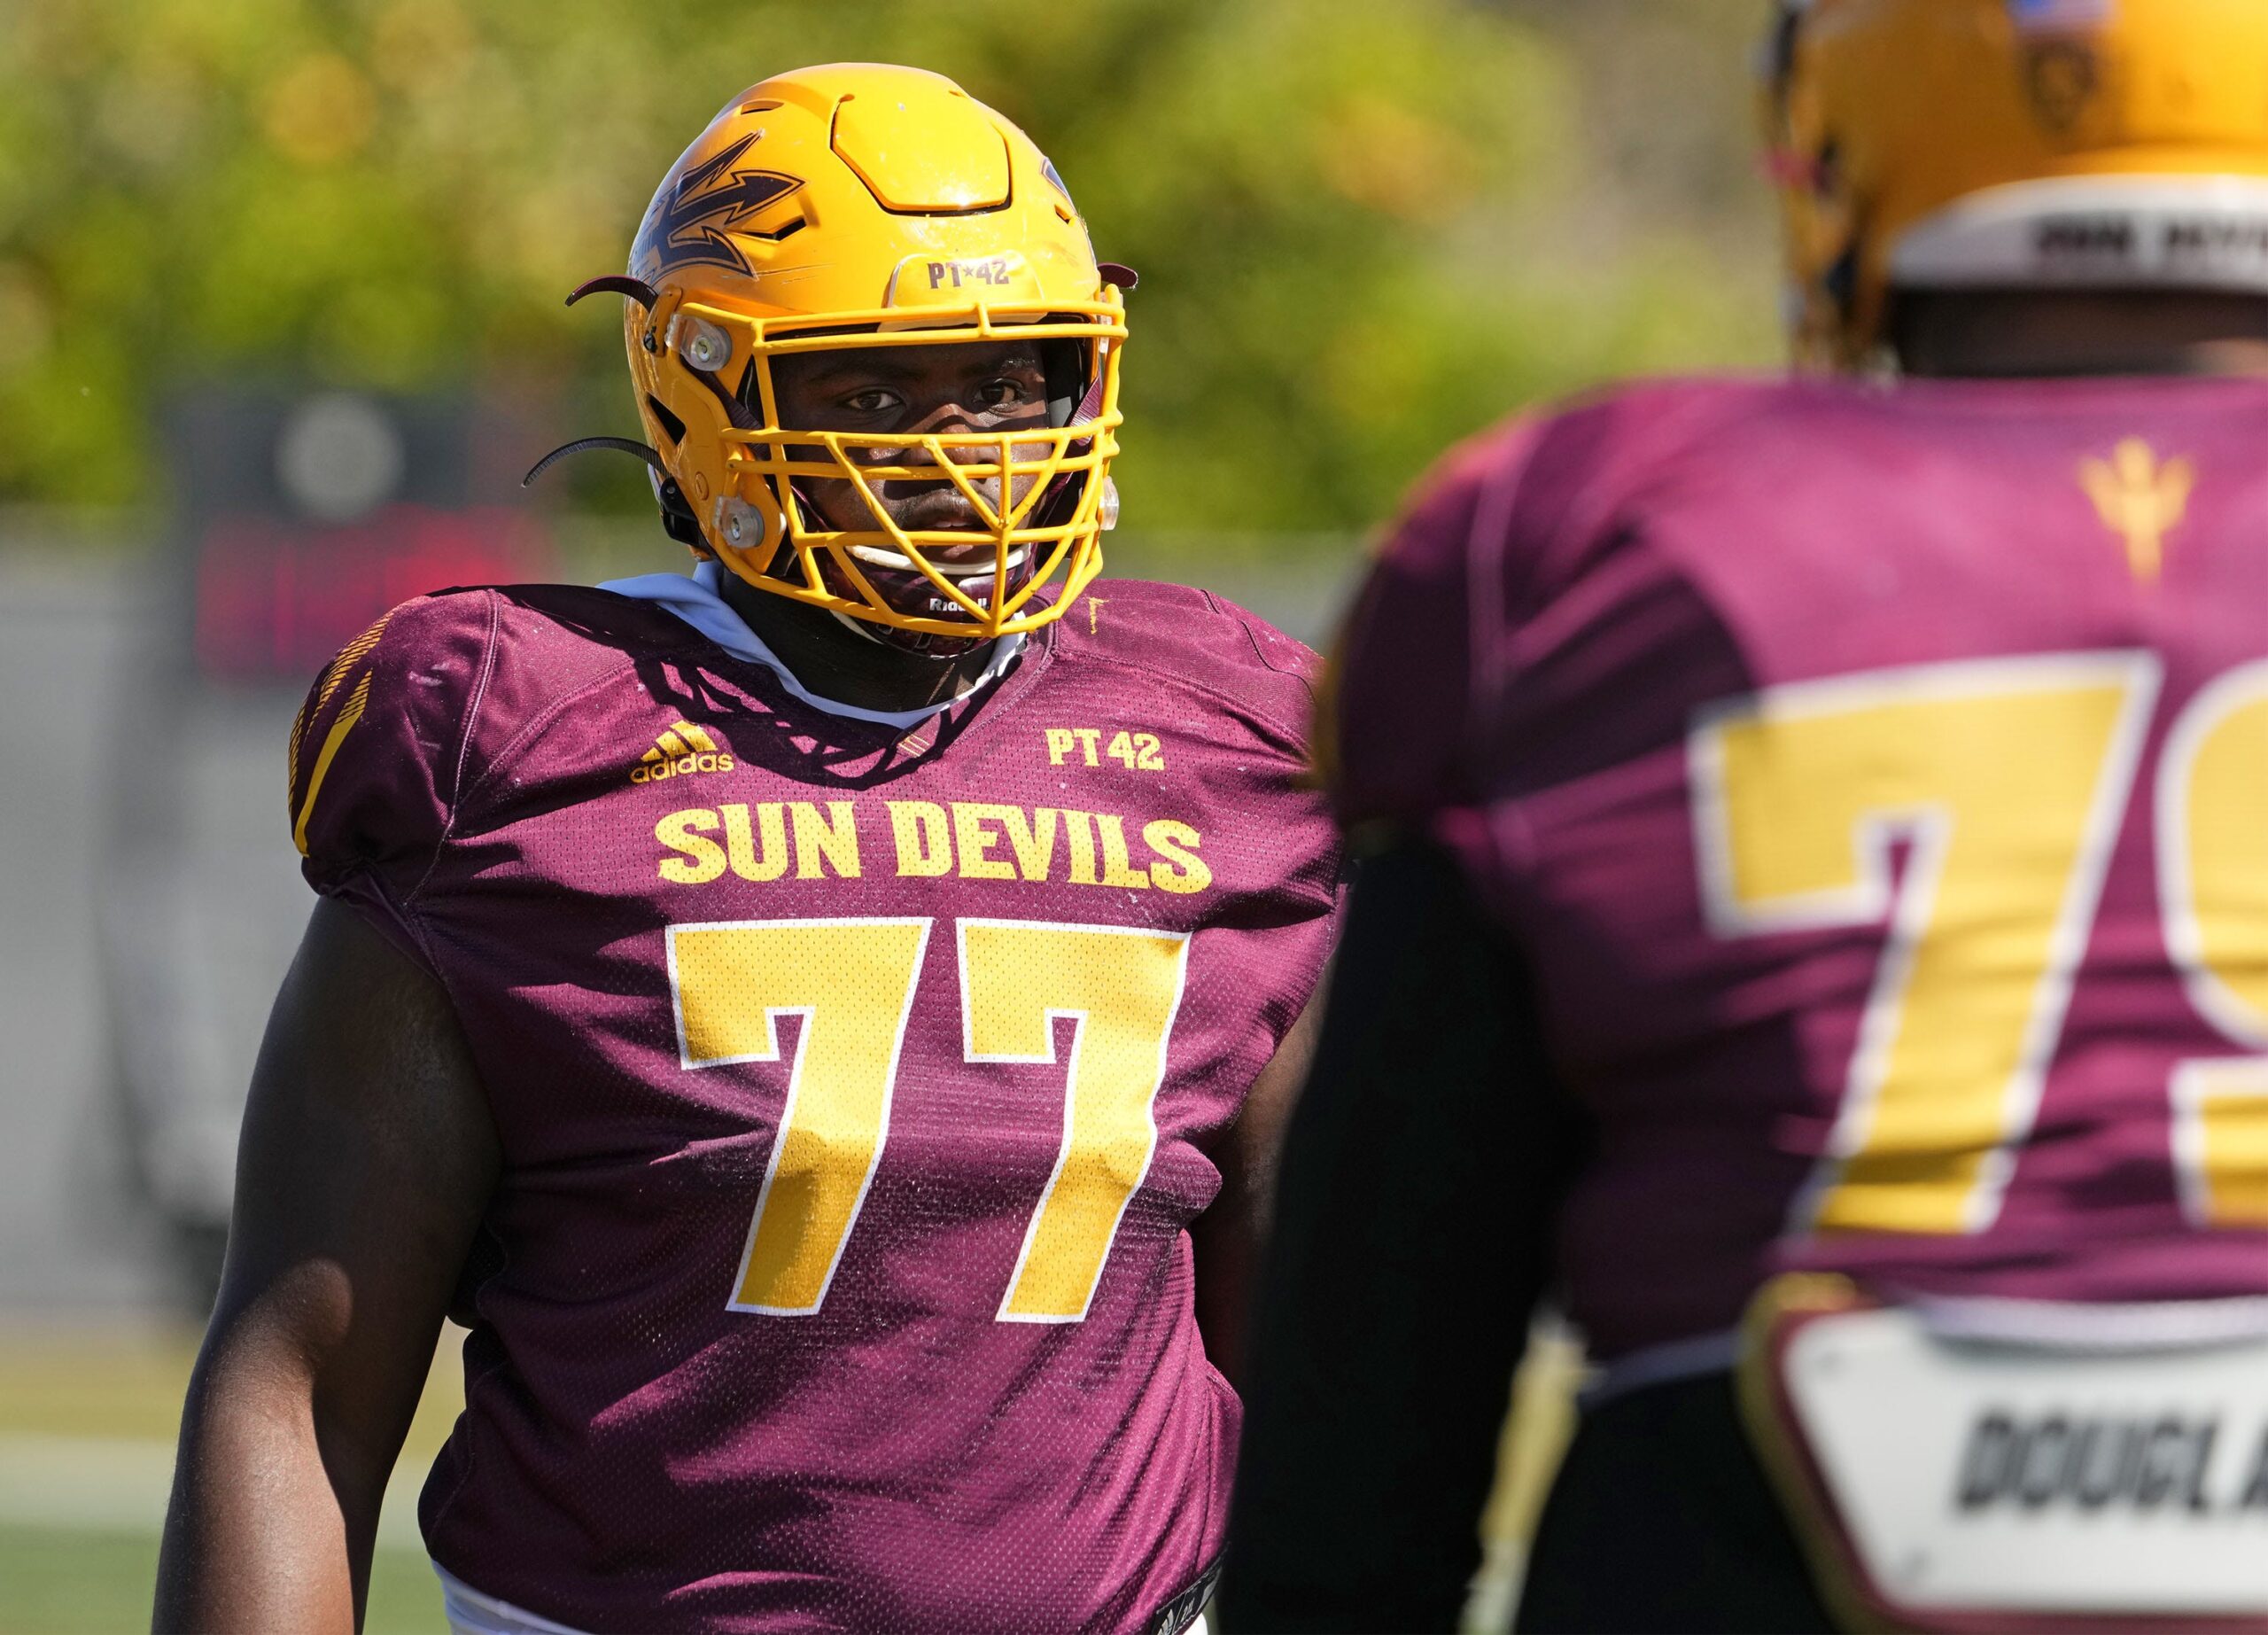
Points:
855	1086
1845	762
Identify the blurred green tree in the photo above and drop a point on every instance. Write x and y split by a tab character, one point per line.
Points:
1364	230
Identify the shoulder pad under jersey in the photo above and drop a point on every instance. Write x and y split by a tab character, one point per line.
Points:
1183	638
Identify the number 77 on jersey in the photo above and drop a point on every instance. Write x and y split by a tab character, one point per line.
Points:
852	983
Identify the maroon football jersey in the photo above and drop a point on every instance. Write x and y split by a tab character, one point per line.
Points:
1877	781
855	1086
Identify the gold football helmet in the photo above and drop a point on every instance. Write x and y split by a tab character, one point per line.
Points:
859	206
2011	144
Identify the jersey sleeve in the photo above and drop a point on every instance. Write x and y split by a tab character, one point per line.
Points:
1378	1379
1402	692
377	751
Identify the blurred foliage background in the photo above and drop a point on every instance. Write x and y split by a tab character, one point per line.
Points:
1365	228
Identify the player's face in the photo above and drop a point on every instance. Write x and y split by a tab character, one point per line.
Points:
976	386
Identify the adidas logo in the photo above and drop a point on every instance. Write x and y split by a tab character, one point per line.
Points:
683	750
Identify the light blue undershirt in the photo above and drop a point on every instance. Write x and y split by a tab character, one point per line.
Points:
699	602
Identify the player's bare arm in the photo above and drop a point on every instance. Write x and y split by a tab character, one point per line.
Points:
1231	1236
366	1160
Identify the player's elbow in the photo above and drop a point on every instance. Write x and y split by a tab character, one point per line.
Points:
269	1381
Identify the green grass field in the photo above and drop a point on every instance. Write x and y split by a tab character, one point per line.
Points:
69	1583
86	1424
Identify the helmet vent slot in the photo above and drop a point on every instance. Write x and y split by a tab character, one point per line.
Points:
672	427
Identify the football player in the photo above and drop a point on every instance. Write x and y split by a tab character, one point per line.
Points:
818	1022
1817	931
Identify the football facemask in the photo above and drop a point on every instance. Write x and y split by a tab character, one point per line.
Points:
1037	491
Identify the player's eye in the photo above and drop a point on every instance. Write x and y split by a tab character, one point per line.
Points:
1003	392
873	400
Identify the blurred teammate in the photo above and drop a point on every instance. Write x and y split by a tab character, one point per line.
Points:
1821	883
818	1022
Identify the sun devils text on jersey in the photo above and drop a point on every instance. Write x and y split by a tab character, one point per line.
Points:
854	1085
1880	782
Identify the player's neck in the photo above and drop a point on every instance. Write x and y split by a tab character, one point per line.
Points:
2001	334
2208	358
840	665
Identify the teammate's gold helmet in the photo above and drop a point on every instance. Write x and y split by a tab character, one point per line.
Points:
2014	144
860	206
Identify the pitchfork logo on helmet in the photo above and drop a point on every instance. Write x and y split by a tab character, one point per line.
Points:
858	207
2014	143
690	222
